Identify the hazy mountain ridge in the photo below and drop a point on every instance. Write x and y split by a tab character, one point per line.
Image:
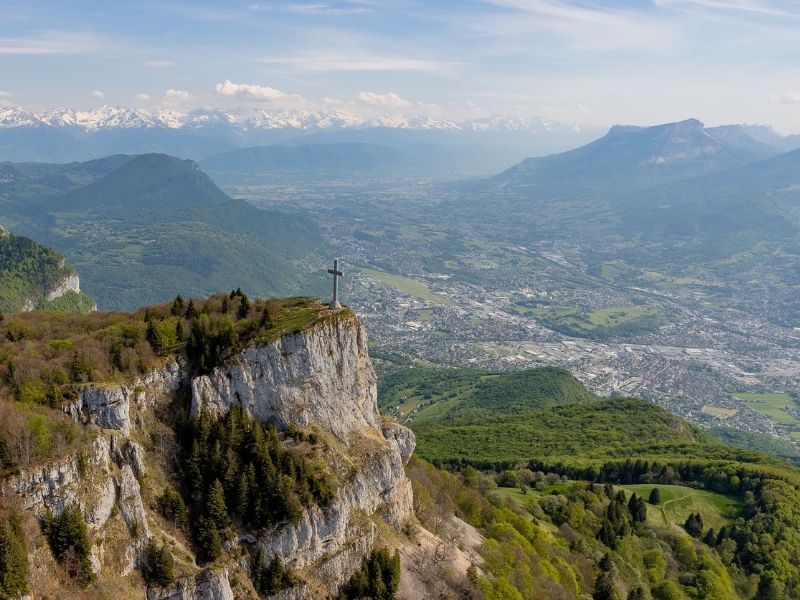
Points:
63	134
157	225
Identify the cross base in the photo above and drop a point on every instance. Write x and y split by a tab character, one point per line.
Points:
335	305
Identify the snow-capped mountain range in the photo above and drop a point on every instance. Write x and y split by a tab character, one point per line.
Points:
116	117
65	135
487	144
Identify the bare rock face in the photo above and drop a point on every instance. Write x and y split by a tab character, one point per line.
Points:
130	502
321	375
109	406
59	486
71	283
208	585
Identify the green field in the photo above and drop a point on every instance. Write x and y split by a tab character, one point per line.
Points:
598	323
409	286
677	502
771	405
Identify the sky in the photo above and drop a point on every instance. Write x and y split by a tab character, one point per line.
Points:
640	62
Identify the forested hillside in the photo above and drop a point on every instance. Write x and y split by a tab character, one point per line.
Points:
30	272
142	229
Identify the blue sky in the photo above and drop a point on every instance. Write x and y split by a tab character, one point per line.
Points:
635	61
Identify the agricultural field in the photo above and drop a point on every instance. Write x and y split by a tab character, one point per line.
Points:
725	413
772	406
600	323
409	286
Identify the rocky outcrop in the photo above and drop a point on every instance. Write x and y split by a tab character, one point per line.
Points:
56	487
109	406
71	283
321	375
130	503
319	379
208	585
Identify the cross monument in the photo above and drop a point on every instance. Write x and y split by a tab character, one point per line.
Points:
336	274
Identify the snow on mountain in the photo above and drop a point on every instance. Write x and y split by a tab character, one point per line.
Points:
16	117
116	117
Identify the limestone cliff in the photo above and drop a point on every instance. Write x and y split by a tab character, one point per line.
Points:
320	380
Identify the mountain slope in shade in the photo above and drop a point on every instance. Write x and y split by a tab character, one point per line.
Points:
147	181
631	157
157	226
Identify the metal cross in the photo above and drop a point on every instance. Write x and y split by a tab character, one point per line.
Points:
336	274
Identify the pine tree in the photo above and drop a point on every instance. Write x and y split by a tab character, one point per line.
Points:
13	558
176	308
244	307
154	338
694	525
191	311
69	535
655	497
604	588
636	593
215	506
179	330
208	538
161	564
710	538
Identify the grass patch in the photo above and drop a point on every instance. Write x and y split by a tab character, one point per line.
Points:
678	502
409	286
770	405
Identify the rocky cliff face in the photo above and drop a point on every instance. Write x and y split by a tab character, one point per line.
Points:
319	379
71	283
321	375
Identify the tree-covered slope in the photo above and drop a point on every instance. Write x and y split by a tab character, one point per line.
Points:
29	272
777	448
157	225
147	181
454	393
584	433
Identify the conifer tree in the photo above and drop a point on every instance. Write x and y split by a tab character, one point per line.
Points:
694	525
244	307
161	564
215	506
13	558
655	497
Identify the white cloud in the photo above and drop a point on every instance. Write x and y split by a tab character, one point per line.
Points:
176	97
255	93
52	42
390	100
314	9
325	61
159	63
96	94
2	93
142	97
787	98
